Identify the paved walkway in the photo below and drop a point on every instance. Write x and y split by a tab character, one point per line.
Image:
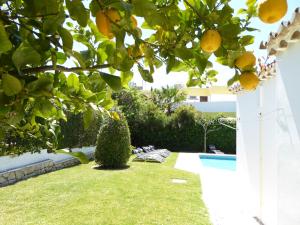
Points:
221	192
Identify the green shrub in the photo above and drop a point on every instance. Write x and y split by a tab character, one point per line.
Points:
113	143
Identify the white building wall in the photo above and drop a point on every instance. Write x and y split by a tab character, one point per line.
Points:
268	153
248	147
288	123
268	144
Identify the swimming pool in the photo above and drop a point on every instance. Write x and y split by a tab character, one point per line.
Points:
225	162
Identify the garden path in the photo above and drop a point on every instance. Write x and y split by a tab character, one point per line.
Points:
221	192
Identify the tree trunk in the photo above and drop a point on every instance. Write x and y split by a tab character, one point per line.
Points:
204	146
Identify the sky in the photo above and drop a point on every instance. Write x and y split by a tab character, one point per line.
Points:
163	79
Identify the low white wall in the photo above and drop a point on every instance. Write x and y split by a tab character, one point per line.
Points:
214	106
8	162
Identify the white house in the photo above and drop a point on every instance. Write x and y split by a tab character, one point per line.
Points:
268	132
207	100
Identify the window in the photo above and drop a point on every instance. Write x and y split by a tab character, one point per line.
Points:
203	98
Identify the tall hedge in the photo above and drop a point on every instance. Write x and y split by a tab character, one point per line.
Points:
73	134
146	121
184	133
224	138
113	143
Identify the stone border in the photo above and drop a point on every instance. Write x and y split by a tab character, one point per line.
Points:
35	169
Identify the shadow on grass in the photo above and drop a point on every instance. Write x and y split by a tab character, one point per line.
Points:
98	167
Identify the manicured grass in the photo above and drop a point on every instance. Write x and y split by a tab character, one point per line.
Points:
143	194
225	114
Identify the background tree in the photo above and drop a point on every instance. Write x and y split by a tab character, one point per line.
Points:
167	98
209	124
56	56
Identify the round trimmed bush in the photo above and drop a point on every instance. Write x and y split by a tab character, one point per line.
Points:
113	143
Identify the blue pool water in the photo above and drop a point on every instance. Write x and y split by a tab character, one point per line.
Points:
225	162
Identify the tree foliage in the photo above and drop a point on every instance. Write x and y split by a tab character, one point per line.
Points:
167	98
53	58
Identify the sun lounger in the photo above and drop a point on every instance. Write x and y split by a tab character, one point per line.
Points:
214	150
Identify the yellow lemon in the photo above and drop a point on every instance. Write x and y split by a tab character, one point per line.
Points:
210	41
113	15
245	61
103	21
271	11
249	81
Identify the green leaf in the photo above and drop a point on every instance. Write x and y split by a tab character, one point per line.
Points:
184	53
201	63
94	7
145	25
211	73
66	37
77	56
170	63
73	82
250	3
11	85
61	57
5	42
242	11
78	155
25	55
141	6
211	3
51	23
96	83
179	67
230	30
251	29
145	74
193	82
78	12
247	40
113	81
85	93
41	86
232	80
45	109
95	30
88	117
126	77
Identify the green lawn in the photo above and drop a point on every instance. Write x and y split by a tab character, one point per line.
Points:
140	195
